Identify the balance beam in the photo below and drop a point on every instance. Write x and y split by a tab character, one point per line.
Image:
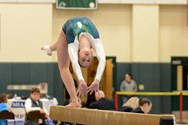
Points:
102	117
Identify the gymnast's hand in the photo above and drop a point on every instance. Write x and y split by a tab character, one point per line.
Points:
82	88
94	87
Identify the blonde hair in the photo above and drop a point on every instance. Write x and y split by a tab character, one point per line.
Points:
133	102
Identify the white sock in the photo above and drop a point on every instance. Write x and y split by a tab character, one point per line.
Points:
47	49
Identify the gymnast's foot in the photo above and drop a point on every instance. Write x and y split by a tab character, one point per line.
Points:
47	49
74	105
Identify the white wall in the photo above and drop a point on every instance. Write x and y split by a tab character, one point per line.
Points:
24	29
145	33
169	2
173	32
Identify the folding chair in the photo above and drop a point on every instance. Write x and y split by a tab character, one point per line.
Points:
6	115
34	116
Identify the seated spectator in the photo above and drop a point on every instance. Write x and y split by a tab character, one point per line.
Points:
3	107
145	106
131	104
102	103
33	103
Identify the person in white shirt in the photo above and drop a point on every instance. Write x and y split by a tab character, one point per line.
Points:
77	41
33	103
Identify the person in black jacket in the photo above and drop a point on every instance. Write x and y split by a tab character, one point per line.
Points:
145	106
102	102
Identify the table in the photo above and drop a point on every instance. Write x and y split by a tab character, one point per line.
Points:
18	106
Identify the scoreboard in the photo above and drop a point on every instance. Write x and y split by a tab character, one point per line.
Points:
76	4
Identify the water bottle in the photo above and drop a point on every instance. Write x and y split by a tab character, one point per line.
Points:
15	96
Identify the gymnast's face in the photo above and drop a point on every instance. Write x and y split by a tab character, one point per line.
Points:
85	57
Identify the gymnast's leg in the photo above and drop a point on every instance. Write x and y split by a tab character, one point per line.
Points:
63	63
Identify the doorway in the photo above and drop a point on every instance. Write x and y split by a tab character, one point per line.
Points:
179	66
108	79
179	79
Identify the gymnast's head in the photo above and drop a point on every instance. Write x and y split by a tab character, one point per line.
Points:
85	54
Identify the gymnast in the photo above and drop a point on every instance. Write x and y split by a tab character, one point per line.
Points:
77	41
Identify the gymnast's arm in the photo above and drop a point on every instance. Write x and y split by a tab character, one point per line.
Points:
73	54
99	50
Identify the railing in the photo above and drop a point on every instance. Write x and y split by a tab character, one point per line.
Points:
180	94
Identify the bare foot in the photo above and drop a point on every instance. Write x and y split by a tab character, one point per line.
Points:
47	49
74	105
